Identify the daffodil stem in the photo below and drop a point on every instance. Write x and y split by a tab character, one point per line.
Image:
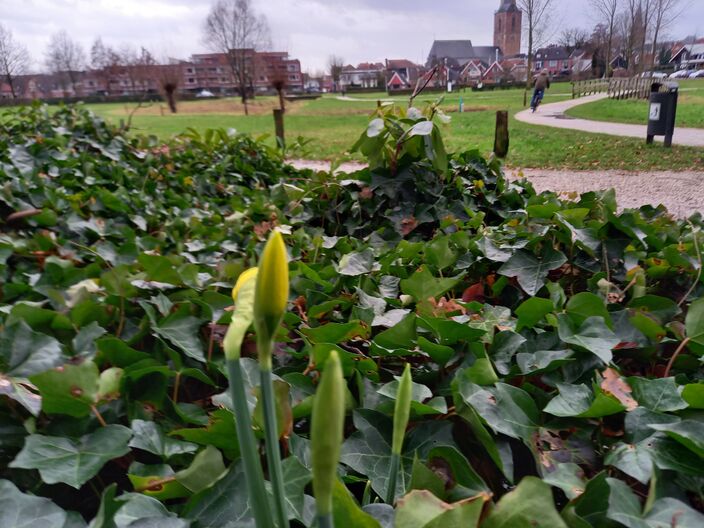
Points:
393	477
254	477
273	456
325	521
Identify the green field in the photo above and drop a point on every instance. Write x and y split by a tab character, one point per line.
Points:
333	125
690	108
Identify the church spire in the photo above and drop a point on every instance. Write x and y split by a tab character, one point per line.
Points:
507	6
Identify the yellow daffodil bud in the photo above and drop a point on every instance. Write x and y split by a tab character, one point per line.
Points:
327	431
402	409
245	276
242	317
271	295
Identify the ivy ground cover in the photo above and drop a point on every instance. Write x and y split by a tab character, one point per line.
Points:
555	346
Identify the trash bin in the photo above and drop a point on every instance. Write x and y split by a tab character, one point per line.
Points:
663	110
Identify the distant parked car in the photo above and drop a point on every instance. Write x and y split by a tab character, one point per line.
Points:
681	74
205	93
699	74
654	75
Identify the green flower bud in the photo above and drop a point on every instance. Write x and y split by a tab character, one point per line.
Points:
327	433
402	409
271	295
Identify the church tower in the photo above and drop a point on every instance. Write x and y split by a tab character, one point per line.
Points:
508	28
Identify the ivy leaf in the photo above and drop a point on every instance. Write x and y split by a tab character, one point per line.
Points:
530	504
20	510
665	510
149	437
24	352
140	511
532	311
355	264
532	272
592	335
182	330
506	409
422	286
224	504
346	511
580	401
689	433
694	322
207	467
422	509
220	433
70	389
73	462
585	305
661	394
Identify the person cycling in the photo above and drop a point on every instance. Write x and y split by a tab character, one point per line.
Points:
542	83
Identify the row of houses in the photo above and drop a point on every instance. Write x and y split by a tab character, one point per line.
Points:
209	72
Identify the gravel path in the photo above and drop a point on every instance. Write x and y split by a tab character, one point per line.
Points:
681	192
553	115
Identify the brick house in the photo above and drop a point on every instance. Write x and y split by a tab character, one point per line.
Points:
402	74
553	58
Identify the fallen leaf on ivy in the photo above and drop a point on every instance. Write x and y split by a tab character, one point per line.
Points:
617	387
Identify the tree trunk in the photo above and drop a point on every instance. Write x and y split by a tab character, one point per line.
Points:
171	99
282	101
12	86
244	102
529	73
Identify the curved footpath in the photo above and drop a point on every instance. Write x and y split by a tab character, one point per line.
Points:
681	192
553	115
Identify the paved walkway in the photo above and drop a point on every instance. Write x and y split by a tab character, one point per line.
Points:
553	115
681	192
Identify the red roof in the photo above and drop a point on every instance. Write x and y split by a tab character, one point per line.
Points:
398	80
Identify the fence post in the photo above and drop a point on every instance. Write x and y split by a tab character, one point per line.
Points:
501	137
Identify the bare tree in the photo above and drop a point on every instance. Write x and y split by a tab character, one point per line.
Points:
536	20
631	27
665	12
169	76
646	14
573	39
335	66
234	28
66	58
106	61
607	11
14	59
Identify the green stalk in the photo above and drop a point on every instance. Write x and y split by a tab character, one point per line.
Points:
325	521
402	411
254	477
393	477
273	455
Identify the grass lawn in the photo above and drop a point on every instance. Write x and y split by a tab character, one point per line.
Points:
334	125
690	108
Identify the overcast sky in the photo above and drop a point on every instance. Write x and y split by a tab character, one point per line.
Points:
310	30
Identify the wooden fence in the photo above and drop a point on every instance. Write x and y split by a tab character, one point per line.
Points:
631	88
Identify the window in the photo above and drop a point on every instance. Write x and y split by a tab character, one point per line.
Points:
293	77
565	64
553	64
513	23
292	68
538	65
189	70
499	24
191	80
